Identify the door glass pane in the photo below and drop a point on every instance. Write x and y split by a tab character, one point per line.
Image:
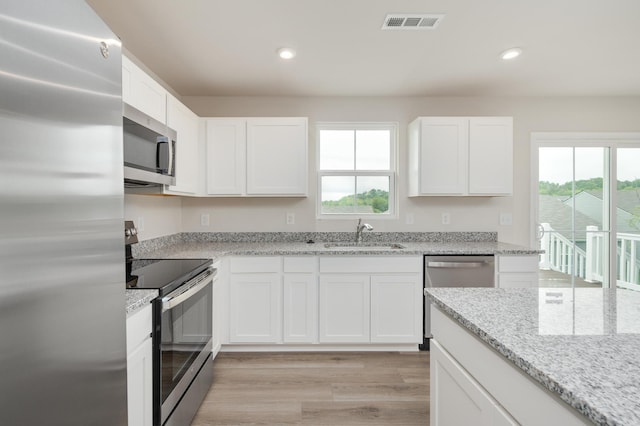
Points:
628	218
337	149
573	214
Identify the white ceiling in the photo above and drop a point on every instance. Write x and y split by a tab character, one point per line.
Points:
228	48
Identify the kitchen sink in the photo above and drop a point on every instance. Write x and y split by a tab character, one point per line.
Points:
363	246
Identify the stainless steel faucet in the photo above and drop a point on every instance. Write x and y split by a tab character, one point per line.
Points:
359	227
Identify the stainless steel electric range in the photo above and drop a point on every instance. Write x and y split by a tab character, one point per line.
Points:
182	330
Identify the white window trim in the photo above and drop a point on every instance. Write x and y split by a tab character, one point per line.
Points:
392	173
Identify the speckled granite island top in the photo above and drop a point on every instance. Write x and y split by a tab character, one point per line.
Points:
583	344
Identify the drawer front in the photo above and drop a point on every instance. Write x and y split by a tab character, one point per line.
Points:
257	264
370	264
300	264
518	263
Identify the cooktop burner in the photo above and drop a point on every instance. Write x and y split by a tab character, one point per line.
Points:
163	274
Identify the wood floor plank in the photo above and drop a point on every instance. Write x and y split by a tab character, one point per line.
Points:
362	413
322	388
380	392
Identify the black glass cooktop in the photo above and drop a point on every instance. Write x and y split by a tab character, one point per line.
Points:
163	274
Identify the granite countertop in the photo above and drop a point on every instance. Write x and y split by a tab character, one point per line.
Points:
137	299
217	244
581	344
217	249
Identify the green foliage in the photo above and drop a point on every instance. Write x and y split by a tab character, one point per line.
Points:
378	199
565	189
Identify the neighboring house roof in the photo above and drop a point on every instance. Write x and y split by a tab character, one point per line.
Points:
590	203
558	211
627	200
555	211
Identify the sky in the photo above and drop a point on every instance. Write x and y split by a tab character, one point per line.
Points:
555	164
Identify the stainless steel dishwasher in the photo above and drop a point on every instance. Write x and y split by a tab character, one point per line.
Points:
455	271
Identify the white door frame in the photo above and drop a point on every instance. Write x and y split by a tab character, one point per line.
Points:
611	140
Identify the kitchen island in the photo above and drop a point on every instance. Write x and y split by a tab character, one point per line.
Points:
537	354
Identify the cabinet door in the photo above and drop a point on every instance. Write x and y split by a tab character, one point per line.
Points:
277	156
226	154
396	309
443	155
456	398
143	92
185	123
140	384
255	307
344	308
491	155
300	308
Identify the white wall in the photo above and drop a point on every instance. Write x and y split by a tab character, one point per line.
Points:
467	213
154	216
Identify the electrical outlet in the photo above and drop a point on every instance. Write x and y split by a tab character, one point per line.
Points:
140	223
291	218
506	219
409	219
446	219
204	219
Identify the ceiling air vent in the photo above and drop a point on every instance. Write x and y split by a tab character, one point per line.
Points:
411	22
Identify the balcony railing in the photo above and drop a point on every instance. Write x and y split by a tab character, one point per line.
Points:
561	254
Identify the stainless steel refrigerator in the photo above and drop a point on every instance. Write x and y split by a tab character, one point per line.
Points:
62	303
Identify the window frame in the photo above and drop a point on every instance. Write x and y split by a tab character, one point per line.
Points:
391	173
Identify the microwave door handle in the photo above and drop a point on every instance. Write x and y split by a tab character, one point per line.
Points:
160	141
171	152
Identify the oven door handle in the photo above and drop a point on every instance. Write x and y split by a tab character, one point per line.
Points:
171	301
456	264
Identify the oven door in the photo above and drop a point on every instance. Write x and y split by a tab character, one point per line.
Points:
183	343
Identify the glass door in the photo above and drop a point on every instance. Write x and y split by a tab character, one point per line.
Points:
573	215
627	202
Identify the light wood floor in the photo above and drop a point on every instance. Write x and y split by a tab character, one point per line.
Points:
332	388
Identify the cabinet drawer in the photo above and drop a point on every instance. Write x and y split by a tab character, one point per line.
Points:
257	264
518	263
138	328
371	264
300	264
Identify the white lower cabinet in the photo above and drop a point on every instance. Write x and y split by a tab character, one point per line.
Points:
396	308
457	399
472	384
140	368
325	300
344	308
255	302
373	299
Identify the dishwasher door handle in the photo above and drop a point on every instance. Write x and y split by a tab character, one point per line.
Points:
456	264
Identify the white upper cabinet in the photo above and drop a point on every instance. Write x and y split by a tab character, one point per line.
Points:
142	92
461	156
491	155
185	123
226	156
257	156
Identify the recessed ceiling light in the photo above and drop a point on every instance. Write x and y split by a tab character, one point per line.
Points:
511	53
286	53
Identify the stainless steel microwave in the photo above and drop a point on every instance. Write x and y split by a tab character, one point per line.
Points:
149	150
